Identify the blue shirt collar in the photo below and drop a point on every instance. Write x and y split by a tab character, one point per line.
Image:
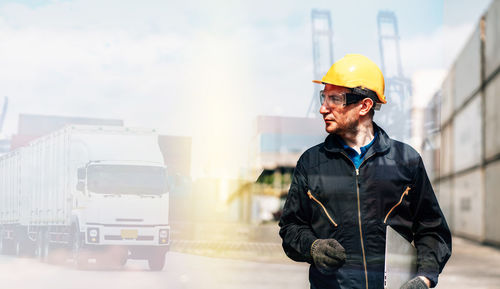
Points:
352	152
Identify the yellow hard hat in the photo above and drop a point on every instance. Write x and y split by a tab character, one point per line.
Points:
356	70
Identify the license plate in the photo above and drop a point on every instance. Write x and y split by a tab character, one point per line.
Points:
129	234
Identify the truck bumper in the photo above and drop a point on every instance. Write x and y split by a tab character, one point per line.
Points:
110	234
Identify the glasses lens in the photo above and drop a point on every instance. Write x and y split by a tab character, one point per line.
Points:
332	99
321	97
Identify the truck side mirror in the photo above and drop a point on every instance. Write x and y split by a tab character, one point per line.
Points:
81	173
80	186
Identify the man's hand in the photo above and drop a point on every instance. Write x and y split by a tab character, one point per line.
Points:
328	255
419	282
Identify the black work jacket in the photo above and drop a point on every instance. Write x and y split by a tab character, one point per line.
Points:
330	198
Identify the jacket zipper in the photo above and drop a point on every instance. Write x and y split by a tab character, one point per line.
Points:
324	209
405	193
359	215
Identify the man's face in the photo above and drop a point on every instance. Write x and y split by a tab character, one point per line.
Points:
339	119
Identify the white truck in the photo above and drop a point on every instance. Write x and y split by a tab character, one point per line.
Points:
88	190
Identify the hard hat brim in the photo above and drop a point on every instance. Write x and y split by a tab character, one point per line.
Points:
323	82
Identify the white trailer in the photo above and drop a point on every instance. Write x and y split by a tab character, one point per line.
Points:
85	189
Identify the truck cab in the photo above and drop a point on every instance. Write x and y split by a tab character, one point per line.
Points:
125	205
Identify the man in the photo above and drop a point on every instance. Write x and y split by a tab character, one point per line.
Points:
346	190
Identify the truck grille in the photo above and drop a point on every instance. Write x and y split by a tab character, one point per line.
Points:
129	220
119	238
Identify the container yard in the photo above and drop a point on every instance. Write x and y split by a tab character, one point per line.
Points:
469	146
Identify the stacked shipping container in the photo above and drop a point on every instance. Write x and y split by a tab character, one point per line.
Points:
492	123
470	135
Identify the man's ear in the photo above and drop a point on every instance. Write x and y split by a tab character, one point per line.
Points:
366	106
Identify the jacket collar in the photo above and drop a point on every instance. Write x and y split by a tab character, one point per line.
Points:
381	144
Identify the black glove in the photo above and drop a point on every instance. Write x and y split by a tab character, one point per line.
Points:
328	255
415	283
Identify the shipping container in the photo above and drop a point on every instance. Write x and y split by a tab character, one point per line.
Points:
446	151
469	133
492	118
492	39
467	136
444	192
468	204
467	70
492	213
448	92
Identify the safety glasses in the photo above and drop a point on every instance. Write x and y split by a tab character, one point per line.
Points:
345	98
332	98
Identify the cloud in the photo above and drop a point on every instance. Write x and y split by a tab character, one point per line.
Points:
204	76
200	68
58	62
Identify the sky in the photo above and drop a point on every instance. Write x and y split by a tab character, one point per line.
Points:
204	69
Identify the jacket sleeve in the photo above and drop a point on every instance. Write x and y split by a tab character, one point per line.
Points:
432	236
295	229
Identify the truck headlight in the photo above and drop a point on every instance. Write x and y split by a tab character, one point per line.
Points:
93	232
163	236
93	235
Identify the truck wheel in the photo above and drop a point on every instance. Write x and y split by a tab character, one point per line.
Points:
42	248
80	256
156	262
25	248
8	247
30	250
123	260
18	250
121	256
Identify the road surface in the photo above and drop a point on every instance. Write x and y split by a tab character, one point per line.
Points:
182	271
471	266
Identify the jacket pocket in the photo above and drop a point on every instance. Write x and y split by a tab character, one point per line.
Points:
405	193
323	207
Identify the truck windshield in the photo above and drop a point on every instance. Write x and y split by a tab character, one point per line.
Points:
126	179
